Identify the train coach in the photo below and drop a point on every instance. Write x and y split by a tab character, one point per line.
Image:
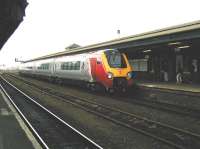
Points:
108	68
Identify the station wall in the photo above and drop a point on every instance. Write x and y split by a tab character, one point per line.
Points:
163	64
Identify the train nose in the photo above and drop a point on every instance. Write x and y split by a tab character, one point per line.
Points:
119	83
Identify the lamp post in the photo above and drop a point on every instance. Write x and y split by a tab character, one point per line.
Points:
118	32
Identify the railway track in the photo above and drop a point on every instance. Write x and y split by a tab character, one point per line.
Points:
50	130
176	137
172	108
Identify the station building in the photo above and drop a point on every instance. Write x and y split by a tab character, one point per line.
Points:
162	54
11	15
158	55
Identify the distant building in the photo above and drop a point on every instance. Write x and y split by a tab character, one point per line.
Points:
72	46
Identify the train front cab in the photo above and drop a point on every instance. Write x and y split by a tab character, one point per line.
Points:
112	70
118	70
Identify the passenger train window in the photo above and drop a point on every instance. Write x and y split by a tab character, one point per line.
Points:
44	66
70	65
66	65
98	62
73	65
29	67
77	65
115	59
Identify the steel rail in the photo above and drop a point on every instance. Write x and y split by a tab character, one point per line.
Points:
180	110
54	115
172	108
121	123
32	129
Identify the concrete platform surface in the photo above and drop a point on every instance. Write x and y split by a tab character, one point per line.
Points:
194	88
14	134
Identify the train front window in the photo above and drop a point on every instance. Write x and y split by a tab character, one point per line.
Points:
115	59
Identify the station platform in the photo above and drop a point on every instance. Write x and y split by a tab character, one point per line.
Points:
180	87
13	132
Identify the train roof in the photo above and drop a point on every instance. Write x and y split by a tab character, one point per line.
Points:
193	26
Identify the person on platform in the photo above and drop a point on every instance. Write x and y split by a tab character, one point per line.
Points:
179	76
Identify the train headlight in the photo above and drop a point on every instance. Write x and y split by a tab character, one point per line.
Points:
129	75
110	75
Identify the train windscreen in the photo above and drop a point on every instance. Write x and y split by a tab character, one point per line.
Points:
115	59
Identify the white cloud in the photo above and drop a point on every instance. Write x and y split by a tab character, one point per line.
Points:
51	25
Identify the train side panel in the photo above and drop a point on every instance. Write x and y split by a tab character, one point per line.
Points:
73	67
27	68
98	71
107	67
43	68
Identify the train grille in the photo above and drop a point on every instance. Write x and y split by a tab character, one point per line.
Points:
119	83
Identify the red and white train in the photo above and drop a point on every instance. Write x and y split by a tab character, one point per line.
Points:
108	68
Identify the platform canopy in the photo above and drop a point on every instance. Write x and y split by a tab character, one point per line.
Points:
11	15
176	33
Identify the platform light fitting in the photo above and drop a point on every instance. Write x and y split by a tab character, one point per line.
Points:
183	47
145	51
174	43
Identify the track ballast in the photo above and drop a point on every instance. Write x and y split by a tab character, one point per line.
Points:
168	134
50	130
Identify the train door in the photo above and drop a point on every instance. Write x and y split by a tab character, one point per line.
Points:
52	67
93	62
100	73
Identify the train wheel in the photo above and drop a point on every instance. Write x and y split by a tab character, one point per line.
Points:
99	87
58	81
51	79
93	86
110	90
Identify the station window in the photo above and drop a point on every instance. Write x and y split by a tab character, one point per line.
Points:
139	64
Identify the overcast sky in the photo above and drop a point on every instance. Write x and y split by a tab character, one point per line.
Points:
51	25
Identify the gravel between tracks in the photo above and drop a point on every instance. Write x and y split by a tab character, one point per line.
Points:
184	122
104	132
